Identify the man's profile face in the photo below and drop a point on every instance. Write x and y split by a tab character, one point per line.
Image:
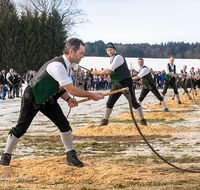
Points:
110	51
79	54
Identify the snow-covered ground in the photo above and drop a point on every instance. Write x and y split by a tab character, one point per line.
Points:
93	111
90	111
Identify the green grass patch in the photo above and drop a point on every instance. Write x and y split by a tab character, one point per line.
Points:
174	121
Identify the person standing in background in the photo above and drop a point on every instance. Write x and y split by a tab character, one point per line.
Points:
16	85
3	82
162	79
10	81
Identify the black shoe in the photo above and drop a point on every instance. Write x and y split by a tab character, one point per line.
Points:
5	159
104	122
72	159
179	102
143	122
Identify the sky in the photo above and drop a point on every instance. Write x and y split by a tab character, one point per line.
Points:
140	21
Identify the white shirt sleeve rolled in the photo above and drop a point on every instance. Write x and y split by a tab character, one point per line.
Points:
118	61
58	71
144	72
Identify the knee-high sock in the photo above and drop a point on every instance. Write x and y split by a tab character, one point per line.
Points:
107	113
173	95
164	104
188	94
195	91
67	140
11	143
177	96
140	113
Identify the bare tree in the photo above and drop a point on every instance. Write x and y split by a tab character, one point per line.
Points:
69	10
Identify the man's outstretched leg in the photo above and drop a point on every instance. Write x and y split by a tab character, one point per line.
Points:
10	145
71	157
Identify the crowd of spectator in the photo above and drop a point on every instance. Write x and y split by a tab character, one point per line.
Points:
87	81
11	82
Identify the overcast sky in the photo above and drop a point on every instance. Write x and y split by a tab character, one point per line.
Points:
141	21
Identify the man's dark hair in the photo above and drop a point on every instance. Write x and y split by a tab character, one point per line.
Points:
73	43
140	58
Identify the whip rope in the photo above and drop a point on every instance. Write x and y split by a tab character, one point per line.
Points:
141	134
133	118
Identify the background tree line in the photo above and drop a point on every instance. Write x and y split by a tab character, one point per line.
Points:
39	31
36	34
176	49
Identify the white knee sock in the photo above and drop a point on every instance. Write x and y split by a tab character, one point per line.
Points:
108	111
140	113
11	143
164	104
188	94
177	96
67	140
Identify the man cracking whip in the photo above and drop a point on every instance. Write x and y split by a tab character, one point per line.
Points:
170	75
148	84
121	78
52	81
181	81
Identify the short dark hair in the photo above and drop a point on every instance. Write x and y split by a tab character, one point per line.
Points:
73	43
140	58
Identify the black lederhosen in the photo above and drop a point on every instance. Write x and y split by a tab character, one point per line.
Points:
193	84
29	109
153	89
173	85
114	97
181	84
